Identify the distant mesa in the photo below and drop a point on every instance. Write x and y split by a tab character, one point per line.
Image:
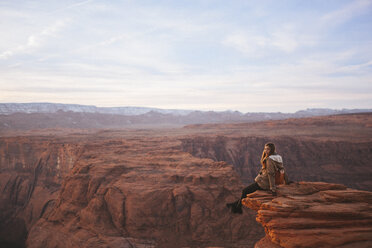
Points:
26	116
11	108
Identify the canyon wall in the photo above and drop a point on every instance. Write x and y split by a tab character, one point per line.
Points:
31	172
144	193
162	188
344	162
118	192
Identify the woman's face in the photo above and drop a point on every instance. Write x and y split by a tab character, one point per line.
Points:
266	150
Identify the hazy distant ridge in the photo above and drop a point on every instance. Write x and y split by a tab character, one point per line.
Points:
28	116
11	108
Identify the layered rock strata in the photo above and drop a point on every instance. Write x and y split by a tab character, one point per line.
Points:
143	188
145	192
341	162
334	149
31	172
313	214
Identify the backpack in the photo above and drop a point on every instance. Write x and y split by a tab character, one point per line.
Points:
279	177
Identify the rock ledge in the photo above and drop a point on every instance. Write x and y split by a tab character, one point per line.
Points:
313	214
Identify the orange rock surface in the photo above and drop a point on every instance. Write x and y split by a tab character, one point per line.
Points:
31	173
313	214
144	193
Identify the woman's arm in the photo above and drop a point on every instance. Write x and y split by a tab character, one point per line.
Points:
270	168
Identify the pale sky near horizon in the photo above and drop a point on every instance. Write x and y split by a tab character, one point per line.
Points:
249	56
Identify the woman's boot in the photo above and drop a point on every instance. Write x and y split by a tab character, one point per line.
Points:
236	207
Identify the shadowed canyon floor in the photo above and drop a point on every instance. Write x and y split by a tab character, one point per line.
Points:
163	187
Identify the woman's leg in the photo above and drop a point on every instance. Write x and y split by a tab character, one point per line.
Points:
236	207
250	189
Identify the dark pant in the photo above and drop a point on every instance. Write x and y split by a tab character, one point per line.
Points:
250	189
236	207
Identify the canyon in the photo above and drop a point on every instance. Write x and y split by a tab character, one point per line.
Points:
163	187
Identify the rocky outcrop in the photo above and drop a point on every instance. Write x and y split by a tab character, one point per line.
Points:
145	192
313	214
31	171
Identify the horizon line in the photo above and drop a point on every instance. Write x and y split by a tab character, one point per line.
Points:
175	109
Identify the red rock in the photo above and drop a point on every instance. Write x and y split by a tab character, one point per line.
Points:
145	192
311	214
73	188
31	171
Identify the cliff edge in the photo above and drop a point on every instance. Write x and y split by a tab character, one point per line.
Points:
313	214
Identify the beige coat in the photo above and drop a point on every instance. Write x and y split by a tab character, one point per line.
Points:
266	178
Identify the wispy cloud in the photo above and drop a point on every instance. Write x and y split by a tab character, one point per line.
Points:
36	40
198	54
257	45
347	12
69	7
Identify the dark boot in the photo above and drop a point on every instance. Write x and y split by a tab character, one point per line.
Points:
230	205
236	207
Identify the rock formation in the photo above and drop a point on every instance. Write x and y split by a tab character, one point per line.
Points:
163	187
335	149
31	172
342	162
144	192
313	214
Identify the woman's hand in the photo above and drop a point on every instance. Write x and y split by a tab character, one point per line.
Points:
263	158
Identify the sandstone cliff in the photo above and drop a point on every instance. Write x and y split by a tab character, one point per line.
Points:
335	149
135	188
310	214
31	172
342	161
145	192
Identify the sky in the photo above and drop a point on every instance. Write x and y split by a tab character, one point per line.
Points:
245	55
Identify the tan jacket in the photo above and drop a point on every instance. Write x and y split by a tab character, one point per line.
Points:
266	178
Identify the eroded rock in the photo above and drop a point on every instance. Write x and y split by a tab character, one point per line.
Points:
31	172
313	214
145	193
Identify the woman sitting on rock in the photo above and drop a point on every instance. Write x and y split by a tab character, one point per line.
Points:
265	180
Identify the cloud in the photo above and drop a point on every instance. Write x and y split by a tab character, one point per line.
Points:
36	40
60	89
294	33
361	68
346	12
71	6
187	55
258	45
284	41
249	44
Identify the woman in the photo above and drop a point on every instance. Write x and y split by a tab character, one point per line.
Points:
265	180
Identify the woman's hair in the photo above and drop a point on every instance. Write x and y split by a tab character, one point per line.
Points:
264	156
272	148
